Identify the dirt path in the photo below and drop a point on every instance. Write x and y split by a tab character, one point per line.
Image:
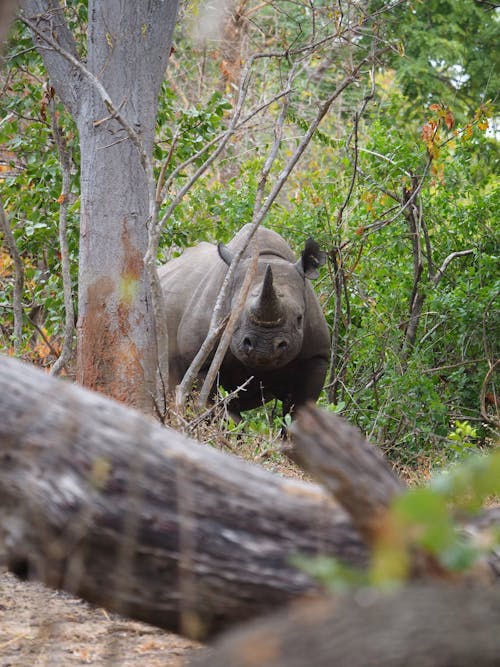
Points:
40	627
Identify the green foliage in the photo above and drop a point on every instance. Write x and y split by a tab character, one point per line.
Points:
449	52
431	102
461	438
30	193
424	519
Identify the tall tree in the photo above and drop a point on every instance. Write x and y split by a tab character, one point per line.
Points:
113	100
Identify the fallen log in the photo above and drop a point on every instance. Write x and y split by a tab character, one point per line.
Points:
416	626
425	623
105	503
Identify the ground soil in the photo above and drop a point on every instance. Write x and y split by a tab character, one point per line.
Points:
40	627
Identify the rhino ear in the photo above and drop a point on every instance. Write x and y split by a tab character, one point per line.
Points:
311	259
224	253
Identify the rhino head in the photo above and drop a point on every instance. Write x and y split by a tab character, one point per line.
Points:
270	331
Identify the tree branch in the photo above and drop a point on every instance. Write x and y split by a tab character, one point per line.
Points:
45	18
440	272
252	268
18	287
64	200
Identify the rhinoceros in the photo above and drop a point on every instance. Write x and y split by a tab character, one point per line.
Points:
281	340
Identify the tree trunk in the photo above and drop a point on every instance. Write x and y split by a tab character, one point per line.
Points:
128	46
109	505
417	626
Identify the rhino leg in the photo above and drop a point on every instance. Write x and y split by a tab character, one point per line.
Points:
254	396
308	380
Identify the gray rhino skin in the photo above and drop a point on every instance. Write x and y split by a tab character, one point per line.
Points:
281	339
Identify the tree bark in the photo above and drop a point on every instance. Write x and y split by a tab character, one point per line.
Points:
128	45
106	503
417	626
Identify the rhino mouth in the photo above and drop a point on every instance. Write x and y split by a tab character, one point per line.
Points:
267	352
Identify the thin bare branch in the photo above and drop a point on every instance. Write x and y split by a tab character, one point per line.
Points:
113	109
184	387
223	143
354	174
216	405
221	299
493	420
228	331
440	272
165	185
65	161
18	278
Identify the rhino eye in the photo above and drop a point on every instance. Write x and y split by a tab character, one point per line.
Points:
299	320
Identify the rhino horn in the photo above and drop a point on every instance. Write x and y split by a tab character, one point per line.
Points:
267	310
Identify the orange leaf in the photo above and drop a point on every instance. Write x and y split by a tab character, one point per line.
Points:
359	231
427	132
468	131
449	120
435	107
483	124
61	199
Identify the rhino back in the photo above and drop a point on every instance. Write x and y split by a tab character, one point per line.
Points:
269	242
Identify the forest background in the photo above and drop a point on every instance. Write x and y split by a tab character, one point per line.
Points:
399	185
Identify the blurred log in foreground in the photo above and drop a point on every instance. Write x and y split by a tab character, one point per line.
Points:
360	479
416	626
425	624
105	503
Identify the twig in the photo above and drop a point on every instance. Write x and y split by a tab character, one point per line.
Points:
44	337
278	135
492	420
184	387
388	159
378	225
65	161
228	331
216	325
181	167
459	364
252	269
94	81
416	298
222	401
338	275
227	135
354	174
18	278
488	352
440	272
